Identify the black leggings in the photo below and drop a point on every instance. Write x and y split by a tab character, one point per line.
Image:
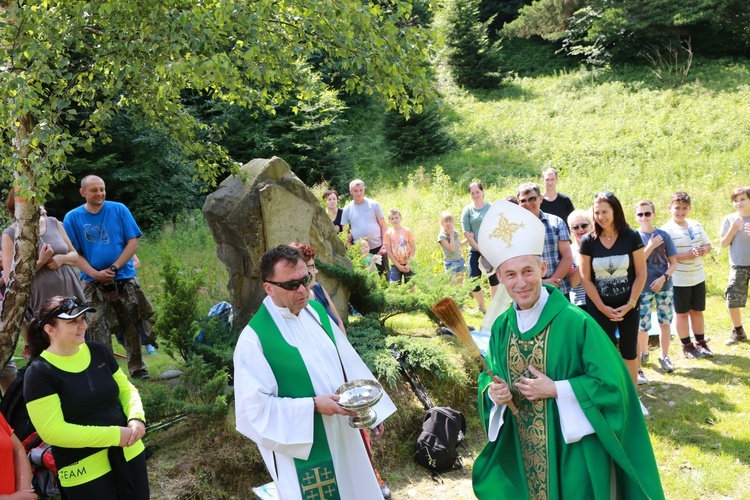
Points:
628	341
103	488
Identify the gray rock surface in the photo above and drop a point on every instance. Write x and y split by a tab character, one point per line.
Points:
264	206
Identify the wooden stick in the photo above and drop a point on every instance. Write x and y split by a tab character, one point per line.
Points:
447	310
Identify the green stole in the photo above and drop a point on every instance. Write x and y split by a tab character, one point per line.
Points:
316	475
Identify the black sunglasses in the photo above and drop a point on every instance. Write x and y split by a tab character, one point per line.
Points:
65	306
530	199
580	226
292	285
644	214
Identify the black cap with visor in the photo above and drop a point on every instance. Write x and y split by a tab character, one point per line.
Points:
68	309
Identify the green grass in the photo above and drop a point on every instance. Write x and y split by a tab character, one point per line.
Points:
190	244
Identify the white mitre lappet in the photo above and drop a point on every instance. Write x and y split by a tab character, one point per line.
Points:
509	230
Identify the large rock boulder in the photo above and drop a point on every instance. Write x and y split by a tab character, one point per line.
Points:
264	206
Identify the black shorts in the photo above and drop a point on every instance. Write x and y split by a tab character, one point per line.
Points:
690	298
475	272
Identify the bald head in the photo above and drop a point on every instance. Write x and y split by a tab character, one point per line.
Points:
93	190
90	178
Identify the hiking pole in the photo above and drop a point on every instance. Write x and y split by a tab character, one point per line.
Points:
447	310
414	380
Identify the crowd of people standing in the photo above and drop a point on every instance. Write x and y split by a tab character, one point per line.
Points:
620	275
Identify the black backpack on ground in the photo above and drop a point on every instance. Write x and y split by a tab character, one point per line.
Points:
443	431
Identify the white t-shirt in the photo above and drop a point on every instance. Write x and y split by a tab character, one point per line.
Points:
689	272
363	219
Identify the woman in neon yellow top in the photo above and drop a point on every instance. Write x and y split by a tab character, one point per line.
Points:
82	404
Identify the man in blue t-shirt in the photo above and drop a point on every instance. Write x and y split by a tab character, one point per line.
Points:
105	235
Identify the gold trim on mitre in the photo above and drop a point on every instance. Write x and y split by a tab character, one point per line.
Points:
509	230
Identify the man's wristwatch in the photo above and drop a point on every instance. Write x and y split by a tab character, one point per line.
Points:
666	277
113	268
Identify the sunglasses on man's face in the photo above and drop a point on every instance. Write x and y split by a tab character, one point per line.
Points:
530	199
644	214
585	225
292	285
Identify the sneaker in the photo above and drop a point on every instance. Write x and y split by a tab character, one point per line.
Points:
384	489
691	352
666	364
644	410
738	335
702	347
386	492
150	349
642	377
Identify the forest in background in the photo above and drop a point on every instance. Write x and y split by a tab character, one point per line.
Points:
485	46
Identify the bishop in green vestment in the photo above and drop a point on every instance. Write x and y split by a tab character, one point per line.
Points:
579	431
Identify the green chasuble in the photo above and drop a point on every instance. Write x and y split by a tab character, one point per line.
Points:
529	458
316	475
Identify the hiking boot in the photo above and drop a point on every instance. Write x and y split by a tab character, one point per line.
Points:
738	335
691	352
702	347
642	377
666	364
140	374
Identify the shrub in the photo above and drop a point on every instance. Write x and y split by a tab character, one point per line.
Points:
177	317
201	388
159	401
473	58
421	136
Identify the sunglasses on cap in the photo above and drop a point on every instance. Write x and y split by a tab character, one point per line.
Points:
530	199
585	225
643	214
292	285
69	308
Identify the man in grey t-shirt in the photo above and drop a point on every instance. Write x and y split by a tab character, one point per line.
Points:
366	221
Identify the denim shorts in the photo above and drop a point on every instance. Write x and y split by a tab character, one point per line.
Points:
396	276
455	266
9	370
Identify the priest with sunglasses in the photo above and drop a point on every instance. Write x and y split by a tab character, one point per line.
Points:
289	361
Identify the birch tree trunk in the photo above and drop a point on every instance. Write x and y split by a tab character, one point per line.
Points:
21	273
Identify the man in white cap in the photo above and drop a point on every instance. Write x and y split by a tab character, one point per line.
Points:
579	432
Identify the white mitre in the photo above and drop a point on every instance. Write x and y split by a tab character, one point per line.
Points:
509	230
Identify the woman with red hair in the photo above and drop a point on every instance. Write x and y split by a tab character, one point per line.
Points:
317	292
